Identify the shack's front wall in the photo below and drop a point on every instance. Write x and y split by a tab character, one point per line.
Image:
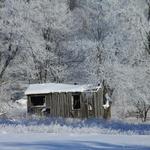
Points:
31	109
60	105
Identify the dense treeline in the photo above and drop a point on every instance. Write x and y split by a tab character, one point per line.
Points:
84	41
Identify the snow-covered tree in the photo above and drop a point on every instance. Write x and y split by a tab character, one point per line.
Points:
77	41
37	36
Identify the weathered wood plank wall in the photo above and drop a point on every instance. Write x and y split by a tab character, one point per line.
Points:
60	105
98	103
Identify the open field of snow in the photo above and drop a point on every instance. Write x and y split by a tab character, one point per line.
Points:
73	142
74	134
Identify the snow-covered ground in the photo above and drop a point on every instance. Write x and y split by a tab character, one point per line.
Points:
74	134
73	142
62	126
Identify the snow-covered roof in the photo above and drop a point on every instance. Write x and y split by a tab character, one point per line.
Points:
57	87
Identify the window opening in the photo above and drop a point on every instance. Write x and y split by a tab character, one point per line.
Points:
38	100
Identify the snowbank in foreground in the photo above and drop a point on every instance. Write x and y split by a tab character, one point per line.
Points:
74	142
72	126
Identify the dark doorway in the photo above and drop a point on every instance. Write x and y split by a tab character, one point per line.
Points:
76	102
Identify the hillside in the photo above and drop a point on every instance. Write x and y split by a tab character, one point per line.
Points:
83	41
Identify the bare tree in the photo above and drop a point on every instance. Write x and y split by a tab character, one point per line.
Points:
9	52
9	58
148	3
72	4
142	109
147	43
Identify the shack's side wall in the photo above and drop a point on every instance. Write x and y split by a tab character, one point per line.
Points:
99	109
98	103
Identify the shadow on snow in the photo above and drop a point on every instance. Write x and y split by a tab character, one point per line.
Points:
73	145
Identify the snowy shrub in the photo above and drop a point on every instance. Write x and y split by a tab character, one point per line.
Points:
71	126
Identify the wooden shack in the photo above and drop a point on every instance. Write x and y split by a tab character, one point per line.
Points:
66	100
